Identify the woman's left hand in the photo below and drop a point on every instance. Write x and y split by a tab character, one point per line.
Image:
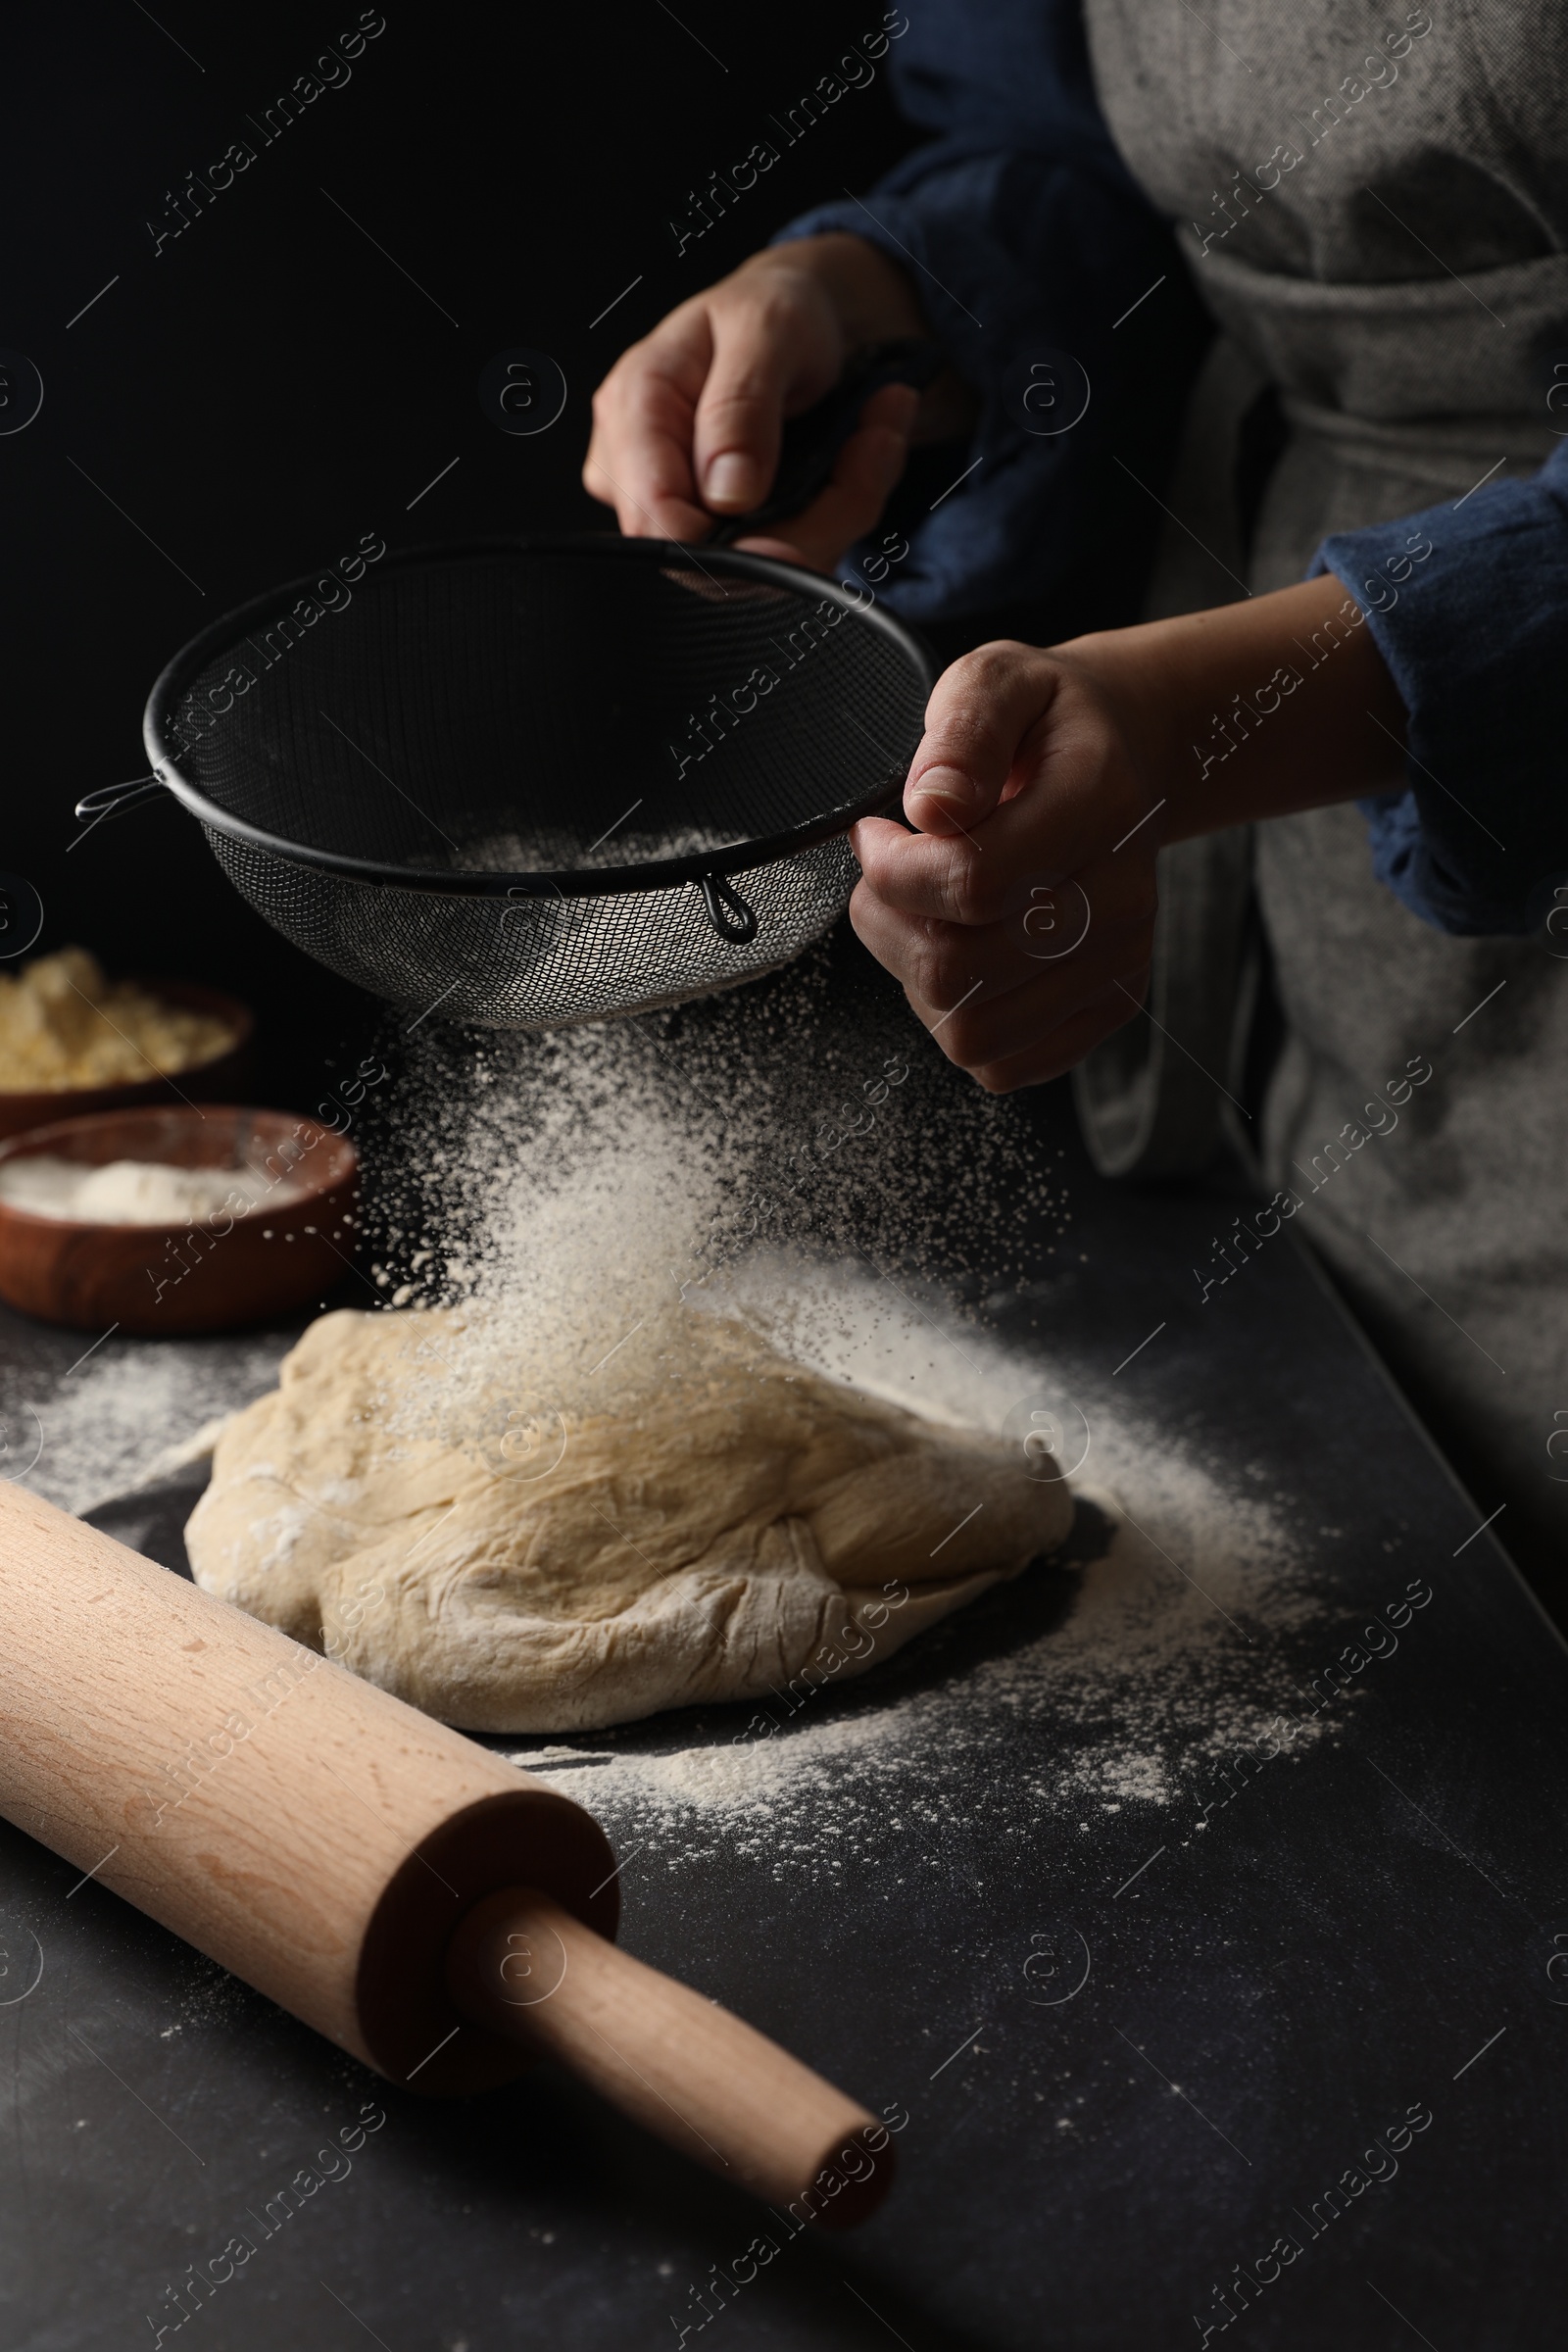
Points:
1020	914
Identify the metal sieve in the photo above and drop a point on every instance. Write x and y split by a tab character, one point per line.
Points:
541	781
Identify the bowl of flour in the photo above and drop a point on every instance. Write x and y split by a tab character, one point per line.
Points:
175	1219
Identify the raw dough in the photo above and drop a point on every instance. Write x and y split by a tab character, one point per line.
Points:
745	1524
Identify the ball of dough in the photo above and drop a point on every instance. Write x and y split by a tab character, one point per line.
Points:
743	1526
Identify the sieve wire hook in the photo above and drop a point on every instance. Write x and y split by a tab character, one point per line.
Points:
728	913
111	797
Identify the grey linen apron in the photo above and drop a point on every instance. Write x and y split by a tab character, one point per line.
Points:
1399	285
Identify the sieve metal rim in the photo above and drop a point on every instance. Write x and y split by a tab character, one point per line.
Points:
667	873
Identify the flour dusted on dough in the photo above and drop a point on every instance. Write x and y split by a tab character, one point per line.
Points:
704	1536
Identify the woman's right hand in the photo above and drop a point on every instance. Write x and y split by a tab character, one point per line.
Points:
688	422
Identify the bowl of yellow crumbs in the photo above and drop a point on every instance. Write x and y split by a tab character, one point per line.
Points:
72	1040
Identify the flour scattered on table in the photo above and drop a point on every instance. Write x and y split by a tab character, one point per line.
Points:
1169	1657
133	1411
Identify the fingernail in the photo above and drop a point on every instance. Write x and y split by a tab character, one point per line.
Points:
728	480
948	787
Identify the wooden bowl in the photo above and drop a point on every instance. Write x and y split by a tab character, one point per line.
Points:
213	1276
202	1082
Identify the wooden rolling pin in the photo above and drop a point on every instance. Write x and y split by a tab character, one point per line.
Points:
433	1910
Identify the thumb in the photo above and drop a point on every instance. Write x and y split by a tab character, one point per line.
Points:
979	712
757	367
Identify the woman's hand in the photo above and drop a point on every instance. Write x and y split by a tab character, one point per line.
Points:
1020	915
687	423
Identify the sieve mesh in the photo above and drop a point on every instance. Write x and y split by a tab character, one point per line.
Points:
540	962
508	780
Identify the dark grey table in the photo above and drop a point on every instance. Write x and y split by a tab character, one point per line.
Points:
1279	2053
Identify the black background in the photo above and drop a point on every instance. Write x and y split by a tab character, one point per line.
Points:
269	386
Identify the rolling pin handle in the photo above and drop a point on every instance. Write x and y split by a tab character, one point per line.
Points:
681	2066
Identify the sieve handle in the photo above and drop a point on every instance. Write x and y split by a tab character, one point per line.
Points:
110	797
727	911
813	440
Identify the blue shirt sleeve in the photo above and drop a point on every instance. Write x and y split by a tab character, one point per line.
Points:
1028	241
1468	605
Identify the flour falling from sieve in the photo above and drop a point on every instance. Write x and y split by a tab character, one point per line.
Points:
583	1199
582	1195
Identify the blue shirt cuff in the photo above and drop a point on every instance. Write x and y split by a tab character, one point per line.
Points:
1468	606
